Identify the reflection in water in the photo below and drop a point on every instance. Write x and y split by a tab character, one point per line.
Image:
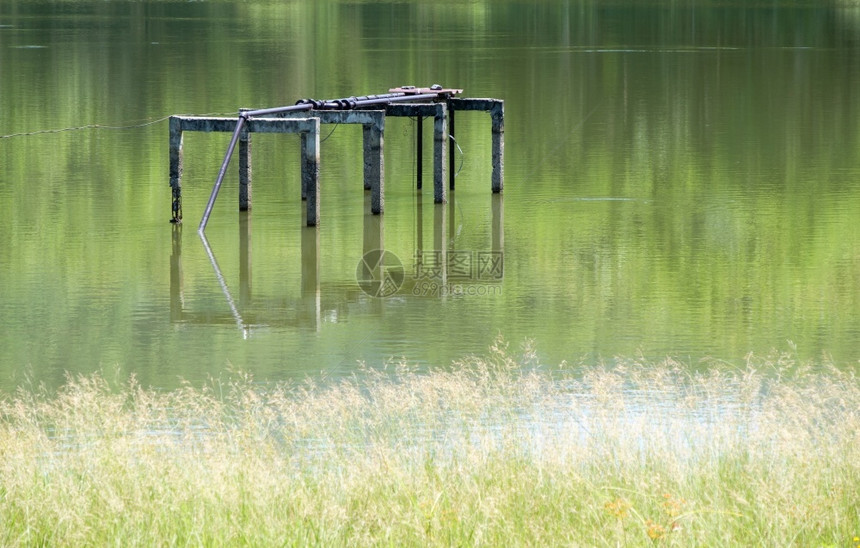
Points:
440	240
308	306
311	297
374	230
684	181
244	258
177	294
244	327
252	311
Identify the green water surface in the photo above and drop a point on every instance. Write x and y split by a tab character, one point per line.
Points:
681	178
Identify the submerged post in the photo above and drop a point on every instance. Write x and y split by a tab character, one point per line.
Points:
176	168
377	163
309	132
419	150
452	160
244	170
497	114
311	170
369	111
440	150
496	109
368	159
373	132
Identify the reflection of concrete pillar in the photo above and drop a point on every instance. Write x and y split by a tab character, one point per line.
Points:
177	294
440	242
419	223
311	271
452	218
497	113
244	259
176	167
244	169
440	148
418	254
310	260
374	237
311	170
498	223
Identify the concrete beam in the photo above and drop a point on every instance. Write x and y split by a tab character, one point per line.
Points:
308	128
496	109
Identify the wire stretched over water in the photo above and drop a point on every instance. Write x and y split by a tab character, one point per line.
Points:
92	126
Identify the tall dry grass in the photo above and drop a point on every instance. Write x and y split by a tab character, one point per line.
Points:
490	451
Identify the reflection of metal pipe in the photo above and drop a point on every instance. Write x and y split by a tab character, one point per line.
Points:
240	323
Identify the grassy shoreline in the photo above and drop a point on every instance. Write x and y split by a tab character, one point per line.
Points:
486	452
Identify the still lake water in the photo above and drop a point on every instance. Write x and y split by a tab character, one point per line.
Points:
680	179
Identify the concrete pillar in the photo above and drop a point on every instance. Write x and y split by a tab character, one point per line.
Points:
244	169
366	130
497	113
311	170
419	152
374	149
306	175
452	159
176	168
440	148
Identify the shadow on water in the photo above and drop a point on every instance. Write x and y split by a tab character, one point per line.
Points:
431	272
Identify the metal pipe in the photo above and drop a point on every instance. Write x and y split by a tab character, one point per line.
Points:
399	99
276	110
239	124
352	102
